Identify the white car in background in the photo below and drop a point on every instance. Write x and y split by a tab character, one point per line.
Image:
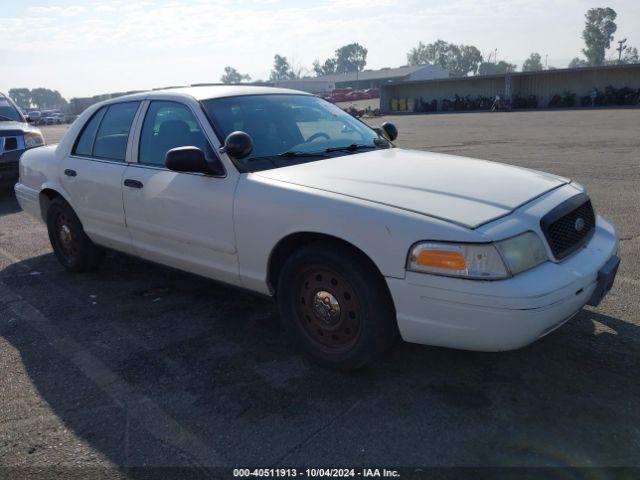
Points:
34	117
54	119
286	195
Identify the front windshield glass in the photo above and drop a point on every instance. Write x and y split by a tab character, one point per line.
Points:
8	112
290	129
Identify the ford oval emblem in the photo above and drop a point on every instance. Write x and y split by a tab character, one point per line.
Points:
579	224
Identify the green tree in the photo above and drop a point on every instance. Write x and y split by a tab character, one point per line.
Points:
626	54
533	63
44	98
460	60
434	53
597	34
327	68
346	59
281	69
490	68
350	58
231	75
468	60
578	63
22	97
630	55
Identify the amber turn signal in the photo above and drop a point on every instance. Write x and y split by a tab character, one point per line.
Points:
441	259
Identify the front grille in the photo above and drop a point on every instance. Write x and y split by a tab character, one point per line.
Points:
8	144
569	226
11	143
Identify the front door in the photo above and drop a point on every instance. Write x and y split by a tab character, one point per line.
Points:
184	220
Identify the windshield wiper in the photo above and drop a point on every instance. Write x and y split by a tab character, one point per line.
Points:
3	118
301	154
350	148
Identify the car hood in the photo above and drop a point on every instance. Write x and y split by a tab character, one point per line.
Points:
13	127
465	191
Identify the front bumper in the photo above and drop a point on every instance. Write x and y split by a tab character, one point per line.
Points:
505	314
9	167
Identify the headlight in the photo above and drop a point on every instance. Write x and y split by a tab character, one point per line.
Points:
522	252
478	261
33	139
489	261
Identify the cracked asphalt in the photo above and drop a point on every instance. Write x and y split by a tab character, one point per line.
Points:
138	365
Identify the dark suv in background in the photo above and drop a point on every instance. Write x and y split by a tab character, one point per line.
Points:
16	136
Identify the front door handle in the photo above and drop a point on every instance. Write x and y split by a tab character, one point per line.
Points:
70	173
133	183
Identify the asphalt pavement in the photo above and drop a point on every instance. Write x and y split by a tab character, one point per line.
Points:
139	365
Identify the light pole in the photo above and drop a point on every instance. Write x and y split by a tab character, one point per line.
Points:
621	49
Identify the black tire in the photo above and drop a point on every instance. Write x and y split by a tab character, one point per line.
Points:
345	336
72	247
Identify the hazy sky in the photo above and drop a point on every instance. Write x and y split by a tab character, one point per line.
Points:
89	47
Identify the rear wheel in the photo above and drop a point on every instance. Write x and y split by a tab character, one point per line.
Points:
71	245
335	306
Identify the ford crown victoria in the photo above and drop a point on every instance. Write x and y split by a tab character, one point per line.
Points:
284	194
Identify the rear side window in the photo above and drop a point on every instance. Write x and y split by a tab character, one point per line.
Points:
84	144
111	139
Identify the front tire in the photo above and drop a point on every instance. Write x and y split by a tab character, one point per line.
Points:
336	306
71	245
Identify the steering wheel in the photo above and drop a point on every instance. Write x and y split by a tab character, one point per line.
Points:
316	136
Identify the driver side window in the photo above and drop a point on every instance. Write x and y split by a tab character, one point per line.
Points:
170	125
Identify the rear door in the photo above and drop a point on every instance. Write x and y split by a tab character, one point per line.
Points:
92	174
184	220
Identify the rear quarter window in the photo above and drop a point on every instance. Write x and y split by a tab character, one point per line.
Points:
84	144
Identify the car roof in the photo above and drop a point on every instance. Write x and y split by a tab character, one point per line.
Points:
207	92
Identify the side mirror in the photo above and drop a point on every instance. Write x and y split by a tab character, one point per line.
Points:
29	120
238	145
188	159
390	131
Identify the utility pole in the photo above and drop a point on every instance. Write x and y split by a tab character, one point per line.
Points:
621	49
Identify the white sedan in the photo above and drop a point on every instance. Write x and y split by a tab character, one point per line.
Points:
284	194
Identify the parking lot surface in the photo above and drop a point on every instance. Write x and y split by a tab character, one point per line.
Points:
138	365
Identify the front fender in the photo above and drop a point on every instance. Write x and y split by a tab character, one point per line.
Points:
266	211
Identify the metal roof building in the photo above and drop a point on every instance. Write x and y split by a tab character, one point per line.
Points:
366	78
543	84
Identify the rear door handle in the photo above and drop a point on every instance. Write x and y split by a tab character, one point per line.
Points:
133	183
70	173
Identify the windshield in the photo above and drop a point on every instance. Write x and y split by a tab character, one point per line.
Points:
8	112
290	129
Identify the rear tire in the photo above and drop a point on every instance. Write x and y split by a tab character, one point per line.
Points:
335	306
71	245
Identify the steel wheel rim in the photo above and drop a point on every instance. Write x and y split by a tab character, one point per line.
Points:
64	235
328	309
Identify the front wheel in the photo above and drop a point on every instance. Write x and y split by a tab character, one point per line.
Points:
336	306
71	245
